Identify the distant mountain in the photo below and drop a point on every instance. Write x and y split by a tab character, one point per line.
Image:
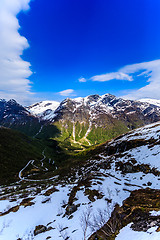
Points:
14	115
151	101
94	106
44	110
95	119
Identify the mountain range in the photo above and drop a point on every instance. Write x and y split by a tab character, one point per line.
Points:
79	123
47	110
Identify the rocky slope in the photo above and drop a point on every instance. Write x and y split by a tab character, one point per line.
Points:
85	195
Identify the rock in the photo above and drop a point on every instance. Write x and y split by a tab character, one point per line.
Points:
149	183
50	228
27	202
39	229
70	217
71	209
13	209
50	191
158	229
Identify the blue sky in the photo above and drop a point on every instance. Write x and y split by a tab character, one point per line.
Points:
79	47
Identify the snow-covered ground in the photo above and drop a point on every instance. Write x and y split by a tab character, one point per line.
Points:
22	223
127	233
147	132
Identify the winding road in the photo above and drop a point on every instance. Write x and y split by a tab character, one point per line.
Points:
32	162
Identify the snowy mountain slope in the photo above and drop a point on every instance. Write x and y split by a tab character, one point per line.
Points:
151	101
12	109
128	232
14	115
56	208
44	110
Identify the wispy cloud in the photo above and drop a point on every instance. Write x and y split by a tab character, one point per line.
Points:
150	70
14	71
67	92
82	79
110	76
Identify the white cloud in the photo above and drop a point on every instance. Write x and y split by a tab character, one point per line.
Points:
14	71
67	92
25	99
150	70
110	76
82	79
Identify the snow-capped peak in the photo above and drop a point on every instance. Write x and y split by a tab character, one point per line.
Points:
155	102
44	109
